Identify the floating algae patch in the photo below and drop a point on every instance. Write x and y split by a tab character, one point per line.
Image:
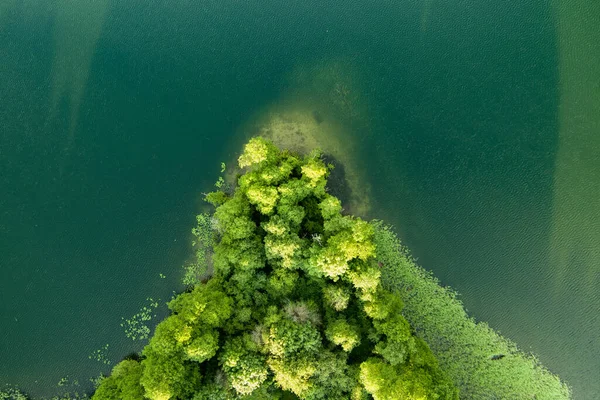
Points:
482	364
321	107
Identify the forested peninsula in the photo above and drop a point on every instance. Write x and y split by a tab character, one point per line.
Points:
291	297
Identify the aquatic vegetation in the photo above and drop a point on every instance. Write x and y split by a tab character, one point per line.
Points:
136	327
294	305
197	270
9	392
100	355
483	364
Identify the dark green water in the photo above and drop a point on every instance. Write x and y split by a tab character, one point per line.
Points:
478	133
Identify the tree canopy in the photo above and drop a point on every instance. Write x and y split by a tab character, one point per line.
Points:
294	308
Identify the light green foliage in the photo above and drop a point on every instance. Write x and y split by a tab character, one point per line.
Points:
333	378
206	304
136	327
294	303
204	240
123	383
293	374
462	346
386	382
216	198
342	333
258	150
202	347
234	218
350	239
330	207
167	375
263	197
365	276
315	172
381	304
378	379
336	296
244	366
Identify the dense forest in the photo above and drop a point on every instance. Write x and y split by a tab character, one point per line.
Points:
291	297
293	307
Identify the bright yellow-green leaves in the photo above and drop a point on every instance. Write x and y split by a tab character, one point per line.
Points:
234	218
288	338
381	304
258	150
314	171
263	197
365	276
203	347
330	207
336	296
188	334
206	304
378	378
282	248
293	374
292	348
167	376
343	334
243	365
385	382
124	383
352	241
276	226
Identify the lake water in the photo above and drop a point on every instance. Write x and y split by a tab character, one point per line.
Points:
474	128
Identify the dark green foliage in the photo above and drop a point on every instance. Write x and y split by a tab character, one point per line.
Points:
294	308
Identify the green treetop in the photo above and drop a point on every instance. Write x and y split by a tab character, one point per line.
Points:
294	308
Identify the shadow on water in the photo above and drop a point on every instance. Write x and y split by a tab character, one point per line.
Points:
337	184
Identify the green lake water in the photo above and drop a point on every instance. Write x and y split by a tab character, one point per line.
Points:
474	128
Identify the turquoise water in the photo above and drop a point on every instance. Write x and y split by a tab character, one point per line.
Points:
476	127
